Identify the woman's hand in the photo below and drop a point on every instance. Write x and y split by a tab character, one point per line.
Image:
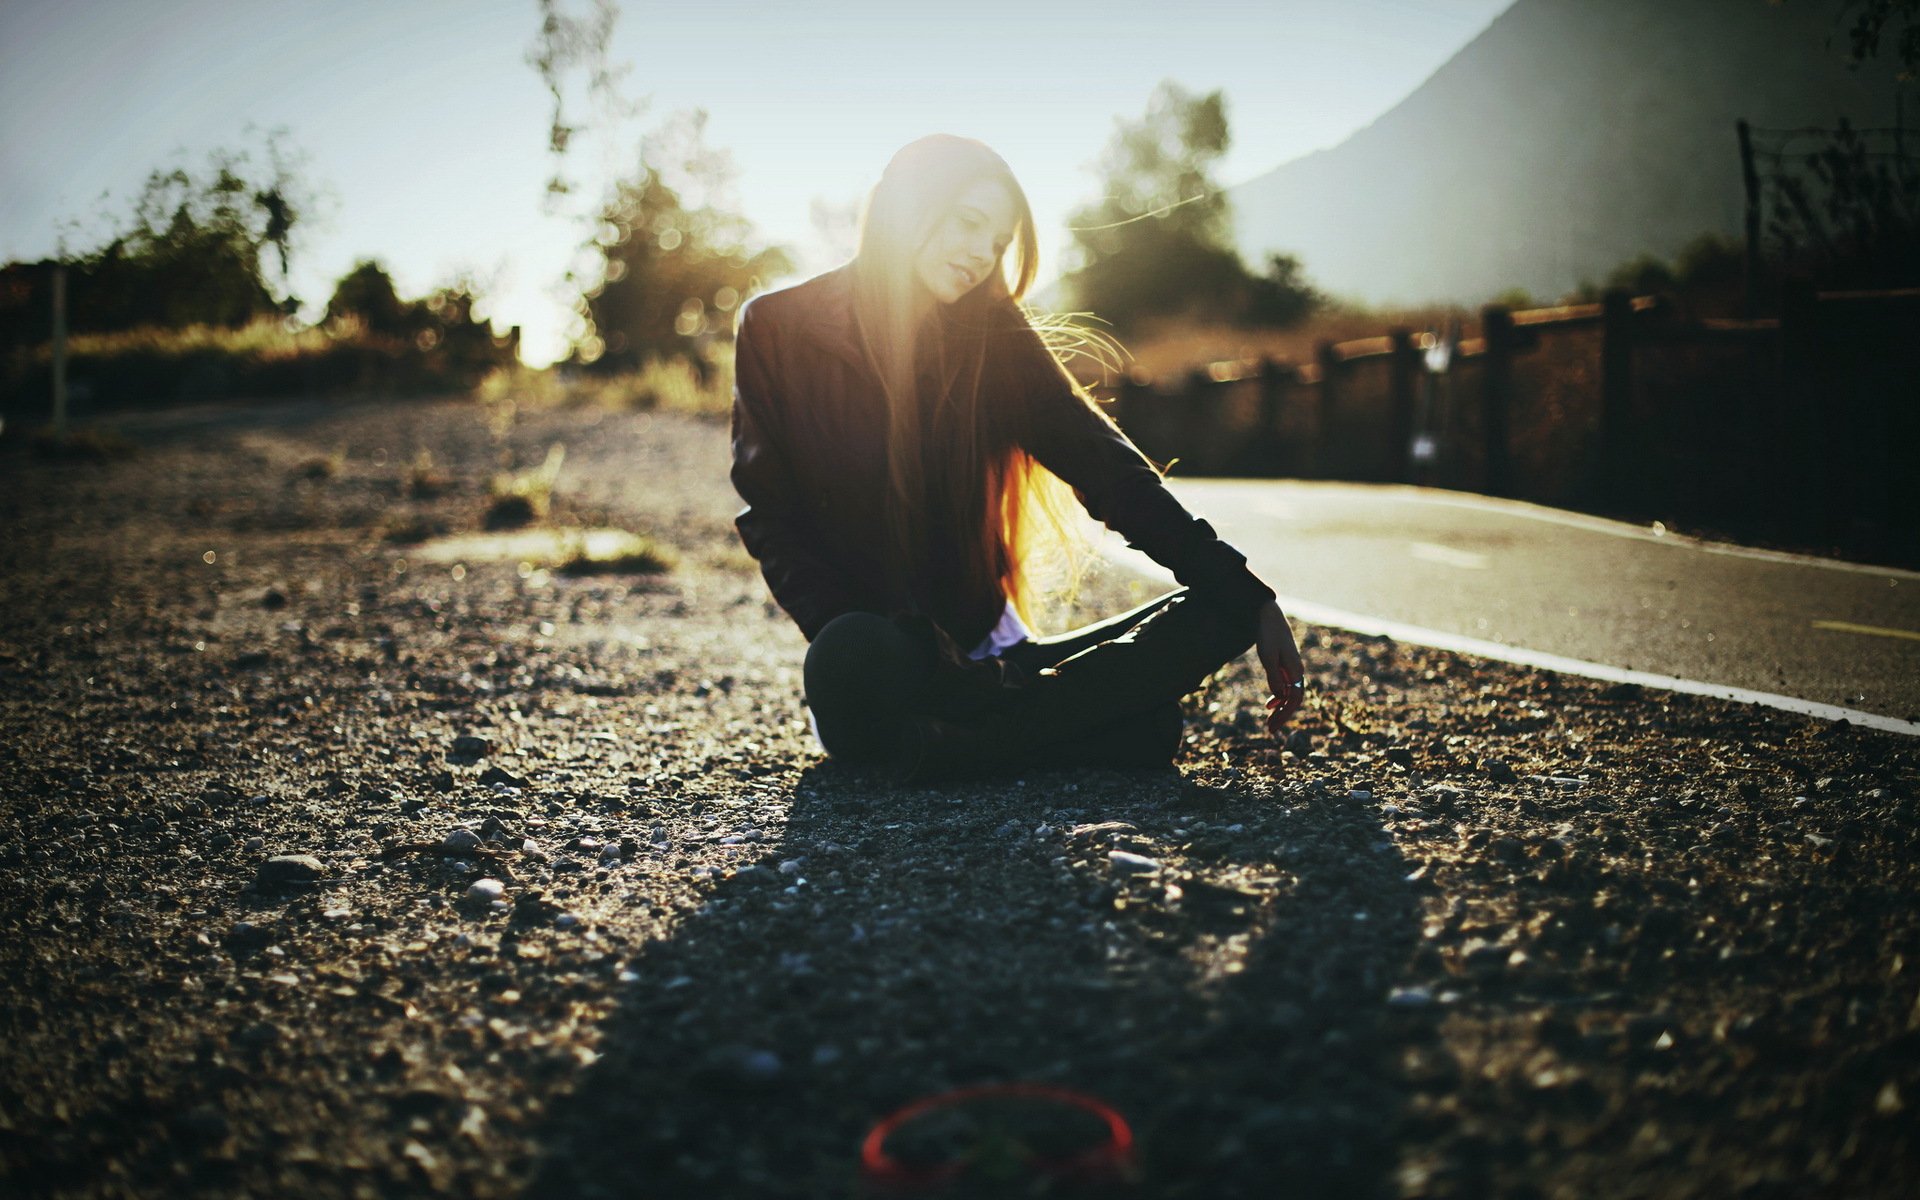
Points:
1285	674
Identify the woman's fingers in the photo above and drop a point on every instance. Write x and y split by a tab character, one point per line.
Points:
1281	708
1285	701
1285	673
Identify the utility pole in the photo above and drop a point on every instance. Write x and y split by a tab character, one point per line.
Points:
60	351
1752	180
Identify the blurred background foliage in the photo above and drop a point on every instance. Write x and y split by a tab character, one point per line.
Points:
207	246
182	292
1158	243
1846	214
673	259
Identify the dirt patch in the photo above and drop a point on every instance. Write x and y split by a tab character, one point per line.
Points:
1480	930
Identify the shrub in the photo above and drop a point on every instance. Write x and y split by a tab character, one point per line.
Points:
527	497
615	552
152	365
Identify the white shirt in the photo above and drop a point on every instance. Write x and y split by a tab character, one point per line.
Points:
1010	631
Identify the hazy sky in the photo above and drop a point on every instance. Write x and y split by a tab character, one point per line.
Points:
427	130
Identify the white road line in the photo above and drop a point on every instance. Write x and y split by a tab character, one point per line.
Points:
1448	556
1321	614
1869	630
1339	618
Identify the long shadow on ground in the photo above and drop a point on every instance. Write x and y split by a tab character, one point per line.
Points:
897	943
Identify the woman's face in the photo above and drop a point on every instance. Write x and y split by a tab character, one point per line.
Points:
966	245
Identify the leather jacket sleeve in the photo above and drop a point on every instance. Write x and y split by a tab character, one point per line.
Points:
773	526
1117	483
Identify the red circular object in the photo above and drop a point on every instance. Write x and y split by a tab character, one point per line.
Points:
880	1167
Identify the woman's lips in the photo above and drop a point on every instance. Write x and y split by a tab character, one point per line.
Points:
966	276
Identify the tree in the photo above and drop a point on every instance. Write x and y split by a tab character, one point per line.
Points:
366	294
1868	23
442	325
197	247
1853	218
567	44
1847	213
1158	242
1283	296
676	259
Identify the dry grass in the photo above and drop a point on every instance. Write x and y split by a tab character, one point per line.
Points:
408	529
322	467
1171	348
660	385
522	386
270	357
601	550
79	445
425	480
615	552
523	498
265	339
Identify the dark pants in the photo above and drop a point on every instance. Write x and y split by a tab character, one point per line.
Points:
1106	694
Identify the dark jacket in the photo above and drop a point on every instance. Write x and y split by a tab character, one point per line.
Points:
810	460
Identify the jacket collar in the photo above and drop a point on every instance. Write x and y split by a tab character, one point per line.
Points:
826	313
823	307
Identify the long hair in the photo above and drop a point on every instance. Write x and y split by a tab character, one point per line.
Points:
946	449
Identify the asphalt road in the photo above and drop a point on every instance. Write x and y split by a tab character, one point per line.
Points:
1542	580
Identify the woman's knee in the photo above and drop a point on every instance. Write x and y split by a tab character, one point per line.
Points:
863	674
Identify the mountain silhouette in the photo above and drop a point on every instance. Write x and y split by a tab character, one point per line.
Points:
1570	136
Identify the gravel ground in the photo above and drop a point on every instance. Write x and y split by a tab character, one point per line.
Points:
1477	931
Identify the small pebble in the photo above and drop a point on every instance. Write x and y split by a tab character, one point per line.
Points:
494	777
1409	997
485	891
202	1123
1126	863
291	868
758	1065
1886	1103
460	841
